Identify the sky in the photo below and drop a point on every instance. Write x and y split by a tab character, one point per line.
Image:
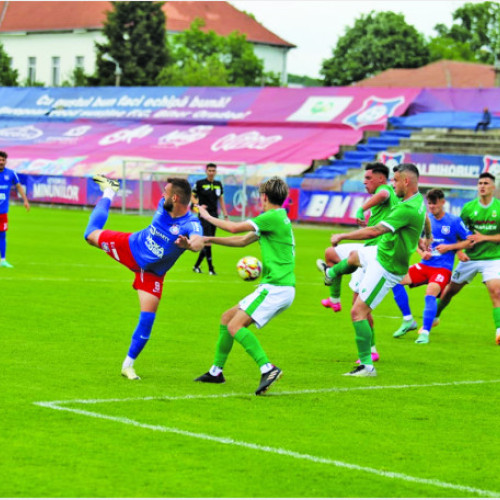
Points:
315	26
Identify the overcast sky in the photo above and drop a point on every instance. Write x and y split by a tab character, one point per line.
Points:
315	26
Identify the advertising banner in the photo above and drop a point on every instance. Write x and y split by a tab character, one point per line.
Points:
50	189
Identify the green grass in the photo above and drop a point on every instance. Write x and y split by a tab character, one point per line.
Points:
67	314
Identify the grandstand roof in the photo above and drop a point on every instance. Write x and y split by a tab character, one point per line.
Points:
220	17
440	74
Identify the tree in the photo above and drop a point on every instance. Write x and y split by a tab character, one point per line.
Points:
477	27
8	76
444	47
203	58
136	41
376	42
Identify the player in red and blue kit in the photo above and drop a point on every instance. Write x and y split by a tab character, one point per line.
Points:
449	234
149	253
8	178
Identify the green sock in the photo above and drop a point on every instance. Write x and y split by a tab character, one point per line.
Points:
249	341
363	333
343	267
223	346
335	287
496	316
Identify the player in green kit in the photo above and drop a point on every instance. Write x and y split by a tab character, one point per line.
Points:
385	264
482	217
273	230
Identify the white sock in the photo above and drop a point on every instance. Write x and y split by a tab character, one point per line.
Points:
266	368
3	259
498	329
424	332
128	362
215	370
369	368
374	349
409	317
109	193
334	300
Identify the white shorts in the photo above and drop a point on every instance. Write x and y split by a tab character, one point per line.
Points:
267	302
465	271
376	280
343	252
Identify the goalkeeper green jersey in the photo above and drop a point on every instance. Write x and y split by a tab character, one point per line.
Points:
484	220
406	222
277	247
378	212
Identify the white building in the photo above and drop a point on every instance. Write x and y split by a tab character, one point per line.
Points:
48	40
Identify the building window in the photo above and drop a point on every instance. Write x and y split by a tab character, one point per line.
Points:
80	62
31	70
56	71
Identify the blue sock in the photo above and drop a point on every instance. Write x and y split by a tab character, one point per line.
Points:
401	298
141	333
3	244
98	217
430	311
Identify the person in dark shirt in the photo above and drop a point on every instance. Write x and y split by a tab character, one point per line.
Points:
208	192
485	120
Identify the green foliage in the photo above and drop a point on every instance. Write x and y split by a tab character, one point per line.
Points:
444	47
304	80
376	42
136	35
203	58
78	79
8	76
478	27
68	312
28	83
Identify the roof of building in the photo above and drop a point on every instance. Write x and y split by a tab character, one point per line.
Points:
442	73
220	17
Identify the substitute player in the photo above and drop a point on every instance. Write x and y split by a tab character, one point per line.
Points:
8	178
449	234
273	230
149	253
482	217
385	264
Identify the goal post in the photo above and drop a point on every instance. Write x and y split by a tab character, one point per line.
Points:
240	195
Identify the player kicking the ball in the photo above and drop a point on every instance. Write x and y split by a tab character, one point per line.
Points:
149	253
273	230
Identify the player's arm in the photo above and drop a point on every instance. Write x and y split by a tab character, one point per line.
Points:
223	206
227	225
22	194
194	243
365	233
371	202
453	247
479	238
233	241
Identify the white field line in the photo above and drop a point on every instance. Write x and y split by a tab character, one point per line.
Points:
57	405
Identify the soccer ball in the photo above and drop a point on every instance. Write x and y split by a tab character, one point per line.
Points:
249	268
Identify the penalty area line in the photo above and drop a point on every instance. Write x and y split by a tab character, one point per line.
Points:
276	451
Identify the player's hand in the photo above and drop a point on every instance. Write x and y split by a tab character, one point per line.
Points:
27	206
203	211
361	222
336	239
476	238
442	248
426	255
183	242
206	241
462	256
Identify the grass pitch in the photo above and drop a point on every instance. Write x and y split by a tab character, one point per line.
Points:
425	427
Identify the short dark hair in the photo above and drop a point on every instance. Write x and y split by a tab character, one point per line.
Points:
488	175
3	154
407	167
211	165
275	189
378	168
181	188
434	195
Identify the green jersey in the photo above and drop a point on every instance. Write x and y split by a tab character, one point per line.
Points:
277	247
380	211
484	220
406	222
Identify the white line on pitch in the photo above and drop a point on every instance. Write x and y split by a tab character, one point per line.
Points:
273	394
277	451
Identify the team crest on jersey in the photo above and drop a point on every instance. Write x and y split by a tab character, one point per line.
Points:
374	110
445	229
6	177
494	214
174	230
217	191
